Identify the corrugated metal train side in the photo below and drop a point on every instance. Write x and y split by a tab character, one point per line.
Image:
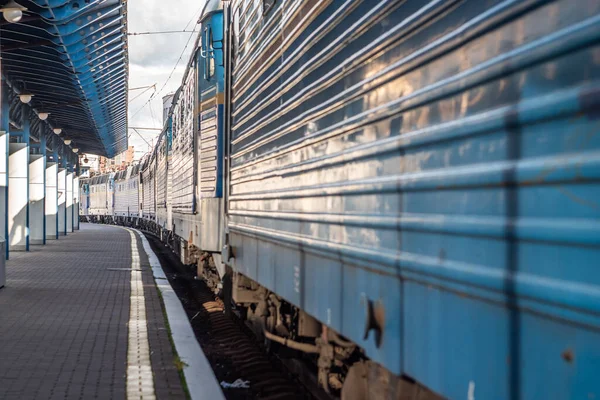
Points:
416	178
121	206
423	177
161	182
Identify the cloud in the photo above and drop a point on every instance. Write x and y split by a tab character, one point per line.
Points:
155	16
153	57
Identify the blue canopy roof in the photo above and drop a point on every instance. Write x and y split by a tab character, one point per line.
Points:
72	56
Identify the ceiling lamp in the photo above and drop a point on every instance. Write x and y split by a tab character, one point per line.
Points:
86	160
75	149
13	11
67	141
58	131
43	115
25	98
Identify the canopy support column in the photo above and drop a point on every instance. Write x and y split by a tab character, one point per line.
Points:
52	200
69	206
37	190
62	197
4	140
18	187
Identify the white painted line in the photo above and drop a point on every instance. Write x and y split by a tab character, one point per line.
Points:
201	381
140	381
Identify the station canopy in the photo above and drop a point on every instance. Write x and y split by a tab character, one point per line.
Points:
71	55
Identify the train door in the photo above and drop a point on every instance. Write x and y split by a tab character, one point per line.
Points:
210	96
229	23
111	194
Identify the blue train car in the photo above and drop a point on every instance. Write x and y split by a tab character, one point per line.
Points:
210	121
422	177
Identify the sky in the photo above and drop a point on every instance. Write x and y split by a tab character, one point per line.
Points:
152	58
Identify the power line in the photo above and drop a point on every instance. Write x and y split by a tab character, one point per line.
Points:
194	17
140	135
155	33
177	63
145	129
178	60
167	32
170	75
142	87
152	113
148	88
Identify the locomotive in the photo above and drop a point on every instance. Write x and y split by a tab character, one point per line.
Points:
403	192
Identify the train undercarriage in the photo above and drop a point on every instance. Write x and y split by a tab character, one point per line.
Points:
318	355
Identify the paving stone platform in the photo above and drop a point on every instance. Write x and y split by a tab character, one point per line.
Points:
64	315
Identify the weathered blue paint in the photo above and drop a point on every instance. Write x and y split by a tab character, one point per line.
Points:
210	108
437	161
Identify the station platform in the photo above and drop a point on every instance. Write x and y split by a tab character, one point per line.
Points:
81	318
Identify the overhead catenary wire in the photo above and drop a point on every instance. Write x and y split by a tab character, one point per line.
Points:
145	90
140	135
194	17
184	30
155	33
152	113
155	93
141	87
145	128
169	78
176	64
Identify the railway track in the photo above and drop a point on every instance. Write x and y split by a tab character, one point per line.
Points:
244	369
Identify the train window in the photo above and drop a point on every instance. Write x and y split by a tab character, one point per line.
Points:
236	35
267	6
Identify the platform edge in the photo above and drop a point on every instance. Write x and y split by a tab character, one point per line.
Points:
200	379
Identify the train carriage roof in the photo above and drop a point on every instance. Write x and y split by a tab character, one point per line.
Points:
210	7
